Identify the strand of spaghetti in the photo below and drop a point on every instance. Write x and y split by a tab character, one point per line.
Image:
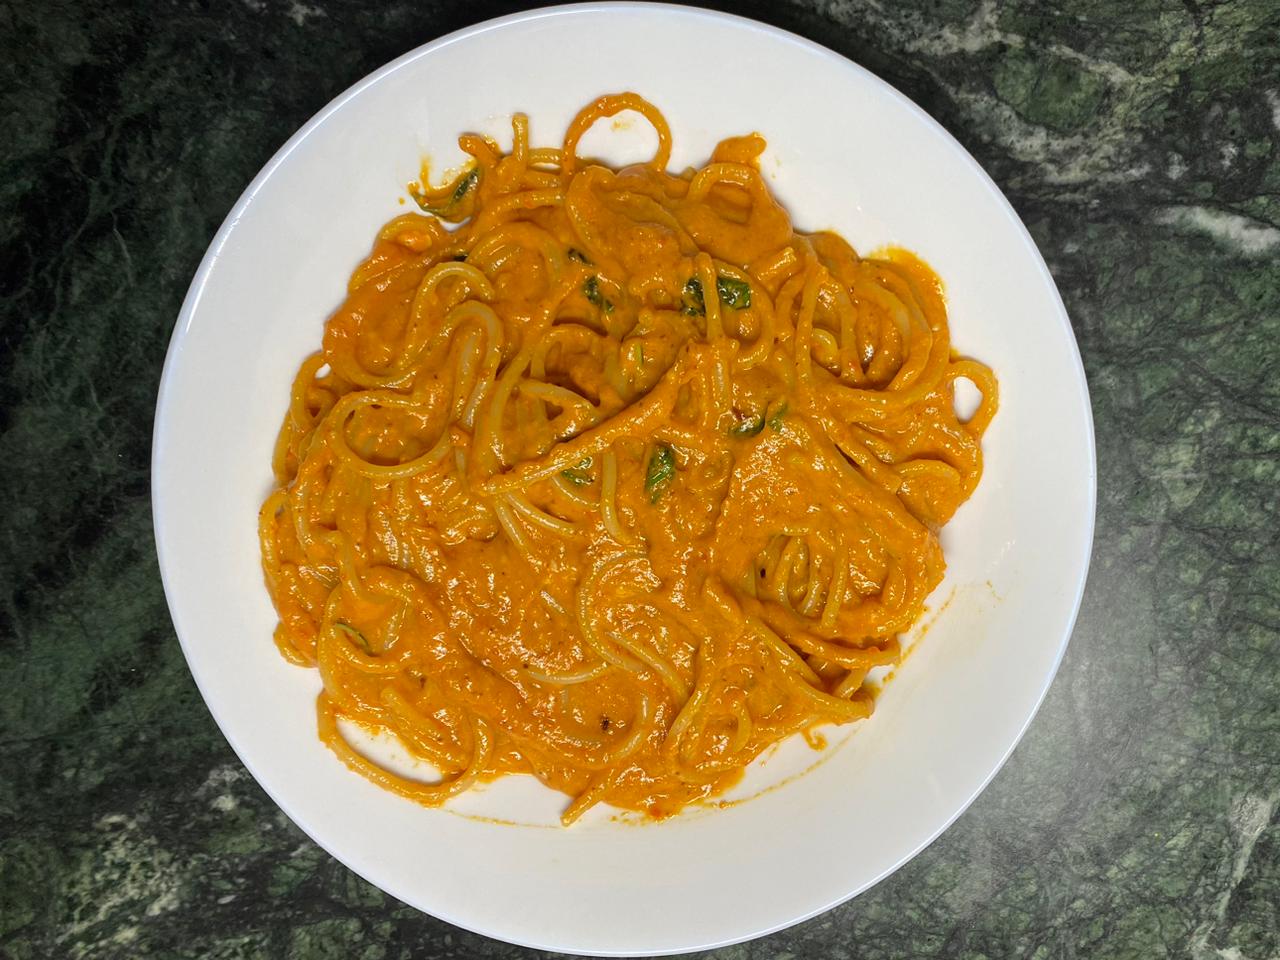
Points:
299	413
287	642
428	793
268	521
466	379
645	414
554	393
981	377
712	174
849	366
785	653
586	615
490	448
818	583
383	473
426	299
643	208
657	664
566	679
780	578
849	443
776	268
515	533
541	518
514	204
608	106
742	735
513	237
826	349
835	593
762	309
298	496
800	638
609	499
588	798
804	323
416	729
704	677
545	157
851	684
570	489
469	311
520	138
838	708
873	496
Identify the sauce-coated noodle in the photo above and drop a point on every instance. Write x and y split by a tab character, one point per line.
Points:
617	480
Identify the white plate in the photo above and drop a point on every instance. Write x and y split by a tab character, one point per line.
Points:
845	151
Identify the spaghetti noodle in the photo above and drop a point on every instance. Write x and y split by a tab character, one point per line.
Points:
611	477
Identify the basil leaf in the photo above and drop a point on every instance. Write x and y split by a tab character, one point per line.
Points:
463	185
591	290
579	474
747	427
733	292
660	472
775	421
692	304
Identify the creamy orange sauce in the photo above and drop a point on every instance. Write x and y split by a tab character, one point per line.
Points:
611	477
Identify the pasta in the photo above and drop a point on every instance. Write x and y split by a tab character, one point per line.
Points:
611	477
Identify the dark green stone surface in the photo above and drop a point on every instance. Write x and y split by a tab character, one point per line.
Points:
1140	817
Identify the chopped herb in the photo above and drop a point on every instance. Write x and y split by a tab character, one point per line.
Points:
638	353
579	474
735	293
355	635
591	290
576	254
775	421
747	426
661	470
732	292
463	185
691	300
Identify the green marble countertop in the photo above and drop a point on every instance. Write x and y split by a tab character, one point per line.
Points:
1140	817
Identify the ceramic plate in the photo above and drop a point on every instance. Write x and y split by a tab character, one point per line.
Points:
846	152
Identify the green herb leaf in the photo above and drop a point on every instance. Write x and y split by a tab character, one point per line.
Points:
579	474
747	427
576	254
355	635
692	304
735	293
660	472
591	290
463	185
775	421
